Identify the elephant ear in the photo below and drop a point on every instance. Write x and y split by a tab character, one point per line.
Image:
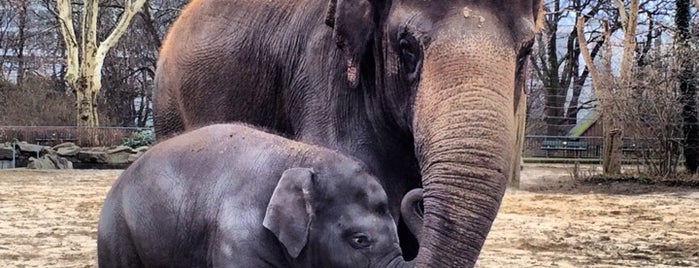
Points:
353	26
289	213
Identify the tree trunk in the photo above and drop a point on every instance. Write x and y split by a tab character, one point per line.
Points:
86	102
555	99
611	155
21	31
611	131
602	84
85	91
688	87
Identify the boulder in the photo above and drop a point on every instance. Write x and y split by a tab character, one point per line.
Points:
115	156
65	145
60	162
41	163
25	147
67	150
47	150
92	155
49	161
134	157
5	153
120	149
119	155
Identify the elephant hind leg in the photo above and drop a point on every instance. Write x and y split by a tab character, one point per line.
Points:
117	252
115	246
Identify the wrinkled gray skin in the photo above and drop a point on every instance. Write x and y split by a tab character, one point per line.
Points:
422	92
233	196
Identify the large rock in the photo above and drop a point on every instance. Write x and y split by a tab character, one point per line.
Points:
120	149
92	155
67	149
118	155
5	153
134	157
114	156
25	147
139	152
65	145
60	162
49	161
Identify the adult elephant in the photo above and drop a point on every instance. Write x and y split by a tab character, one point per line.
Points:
423	92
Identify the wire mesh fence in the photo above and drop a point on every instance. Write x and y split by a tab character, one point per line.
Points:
53	135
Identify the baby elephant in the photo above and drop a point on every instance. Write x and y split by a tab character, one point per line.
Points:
233	196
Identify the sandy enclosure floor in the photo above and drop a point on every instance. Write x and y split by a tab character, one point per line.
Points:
49	219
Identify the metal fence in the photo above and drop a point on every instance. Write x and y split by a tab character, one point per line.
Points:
535	146
541	146
53	135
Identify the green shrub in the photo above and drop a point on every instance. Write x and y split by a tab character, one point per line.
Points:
138	139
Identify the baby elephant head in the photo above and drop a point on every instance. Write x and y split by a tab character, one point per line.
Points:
333	219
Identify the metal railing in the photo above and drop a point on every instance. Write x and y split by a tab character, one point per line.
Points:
53	135
542	146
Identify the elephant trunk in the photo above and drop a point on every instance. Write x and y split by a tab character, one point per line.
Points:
464	130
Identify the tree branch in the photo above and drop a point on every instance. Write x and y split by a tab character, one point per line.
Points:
622	12
130	9
536	66
65	21
629	41
585	53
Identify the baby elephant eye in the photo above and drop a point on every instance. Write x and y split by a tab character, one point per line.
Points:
360	241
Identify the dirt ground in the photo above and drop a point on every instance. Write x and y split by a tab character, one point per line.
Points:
48	219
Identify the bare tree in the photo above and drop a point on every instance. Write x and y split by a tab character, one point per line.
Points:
84	62
609	89
653	114
561	75
126	98
688	86
7	20
20	7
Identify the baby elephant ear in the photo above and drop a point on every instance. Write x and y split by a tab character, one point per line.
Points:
289	212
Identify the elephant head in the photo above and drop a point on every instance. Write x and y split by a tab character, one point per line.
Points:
448	73
334	218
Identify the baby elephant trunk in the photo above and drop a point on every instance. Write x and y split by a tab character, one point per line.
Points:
400	263
411	211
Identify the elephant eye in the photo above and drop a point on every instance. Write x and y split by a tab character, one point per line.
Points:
406	50
360	241
410	53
